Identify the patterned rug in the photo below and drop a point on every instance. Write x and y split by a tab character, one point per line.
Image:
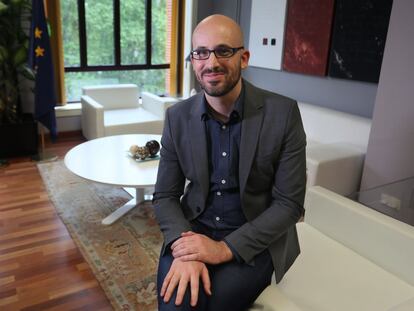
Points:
123	256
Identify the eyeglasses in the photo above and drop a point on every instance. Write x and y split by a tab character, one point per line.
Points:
220	52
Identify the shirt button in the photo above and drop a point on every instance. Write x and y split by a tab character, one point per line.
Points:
223	127
218	218
223	181
224	154
218	193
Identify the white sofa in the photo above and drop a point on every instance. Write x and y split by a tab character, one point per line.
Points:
353	258
337	143
115	109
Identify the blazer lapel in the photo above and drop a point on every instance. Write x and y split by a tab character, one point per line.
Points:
252	120
198	141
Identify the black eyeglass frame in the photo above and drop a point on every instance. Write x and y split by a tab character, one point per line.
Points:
234	51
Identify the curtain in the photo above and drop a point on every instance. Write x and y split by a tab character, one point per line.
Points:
53	16
176	9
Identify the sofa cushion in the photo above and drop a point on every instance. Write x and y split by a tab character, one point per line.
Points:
125	116
137	120
329	276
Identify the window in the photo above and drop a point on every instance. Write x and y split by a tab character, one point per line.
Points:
116	41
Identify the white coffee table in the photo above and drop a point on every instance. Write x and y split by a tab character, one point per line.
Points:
106	160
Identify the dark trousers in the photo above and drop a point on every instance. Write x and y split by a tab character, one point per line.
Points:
234	286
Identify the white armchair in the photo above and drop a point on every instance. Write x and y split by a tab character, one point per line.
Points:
115	109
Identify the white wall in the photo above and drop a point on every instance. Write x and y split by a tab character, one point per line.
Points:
390	154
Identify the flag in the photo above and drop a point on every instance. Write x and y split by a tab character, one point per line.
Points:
40	60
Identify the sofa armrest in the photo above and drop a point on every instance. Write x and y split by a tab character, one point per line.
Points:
337	167
273	299
156	104
381	239
92	118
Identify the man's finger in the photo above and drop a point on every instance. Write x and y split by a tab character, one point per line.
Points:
165	283
205	278
194	286
176	243
187	233
182	286
170	288
182	251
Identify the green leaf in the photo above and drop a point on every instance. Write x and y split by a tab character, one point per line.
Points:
3	7
27	72
3	54
20	57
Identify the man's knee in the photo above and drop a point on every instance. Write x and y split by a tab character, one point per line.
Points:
236	286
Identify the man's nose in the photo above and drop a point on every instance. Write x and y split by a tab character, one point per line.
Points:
212	61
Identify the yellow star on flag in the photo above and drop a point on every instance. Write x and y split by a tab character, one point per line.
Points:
38	33
39	51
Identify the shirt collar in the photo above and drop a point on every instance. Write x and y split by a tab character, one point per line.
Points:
237	109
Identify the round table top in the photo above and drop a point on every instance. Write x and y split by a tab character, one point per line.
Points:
106	160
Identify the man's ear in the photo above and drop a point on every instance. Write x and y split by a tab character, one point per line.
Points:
245	59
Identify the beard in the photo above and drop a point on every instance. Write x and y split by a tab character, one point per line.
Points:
215	89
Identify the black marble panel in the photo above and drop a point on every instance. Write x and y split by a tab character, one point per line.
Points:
358	39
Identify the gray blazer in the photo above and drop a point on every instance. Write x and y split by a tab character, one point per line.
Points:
272	175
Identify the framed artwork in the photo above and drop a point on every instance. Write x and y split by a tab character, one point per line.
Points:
358	39
307	36
267	27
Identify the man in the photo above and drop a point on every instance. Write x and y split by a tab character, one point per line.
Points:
242	149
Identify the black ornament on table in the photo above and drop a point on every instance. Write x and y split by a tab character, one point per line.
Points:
153	147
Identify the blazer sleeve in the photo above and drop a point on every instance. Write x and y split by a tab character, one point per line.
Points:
169	189
287	195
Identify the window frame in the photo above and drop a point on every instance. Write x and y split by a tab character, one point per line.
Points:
84	67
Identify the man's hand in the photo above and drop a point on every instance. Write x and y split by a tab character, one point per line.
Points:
193	246
181	273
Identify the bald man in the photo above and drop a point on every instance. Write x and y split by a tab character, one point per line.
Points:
242	149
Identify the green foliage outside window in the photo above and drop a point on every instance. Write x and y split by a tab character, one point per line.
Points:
100	32
133	32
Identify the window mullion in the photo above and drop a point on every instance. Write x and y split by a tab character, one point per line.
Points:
148	31
82	34
117	32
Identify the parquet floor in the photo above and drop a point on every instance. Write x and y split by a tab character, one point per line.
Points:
40	266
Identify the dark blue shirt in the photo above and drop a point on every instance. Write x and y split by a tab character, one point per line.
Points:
223	212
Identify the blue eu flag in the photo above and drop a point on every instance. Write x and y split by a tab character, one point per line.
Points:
40	60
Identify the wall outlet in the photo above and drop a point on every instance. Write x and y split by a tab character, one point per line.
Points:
390	201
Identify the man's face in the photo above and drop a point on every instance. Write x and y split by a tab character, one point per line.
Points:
218	76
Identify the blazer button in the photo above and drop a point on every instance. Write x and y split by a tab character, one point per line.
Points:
198	209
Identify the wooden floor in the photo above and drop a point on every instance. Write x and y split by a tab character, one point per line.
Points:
40	266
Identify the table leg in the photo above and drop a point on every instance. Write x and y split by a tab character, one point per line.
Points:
137	198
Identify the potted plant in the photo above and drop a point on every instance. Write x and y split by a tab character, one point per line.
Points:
18	131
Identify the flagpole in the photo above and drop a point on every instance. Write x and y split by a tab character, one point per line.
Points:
43	155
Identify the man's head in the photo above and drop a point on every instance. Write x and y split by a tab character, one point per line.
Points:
220	73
